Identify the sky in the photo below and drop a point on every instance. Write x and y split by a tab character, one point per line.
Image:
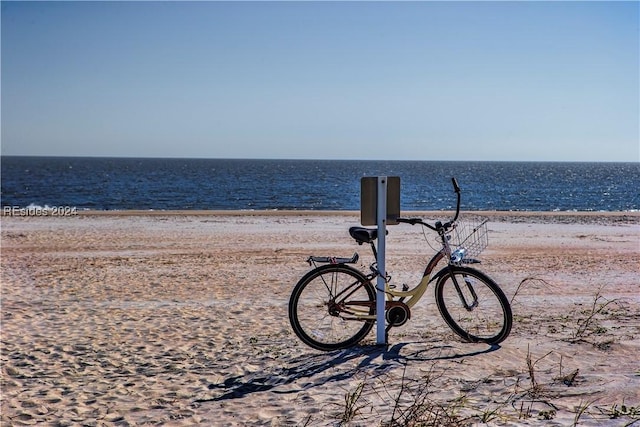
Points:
506	81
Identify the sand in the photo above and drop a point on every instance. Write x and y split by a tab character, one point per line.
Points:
145	318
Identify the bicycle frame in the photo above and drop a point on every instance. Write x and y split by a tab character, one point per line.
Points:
408	297
414	295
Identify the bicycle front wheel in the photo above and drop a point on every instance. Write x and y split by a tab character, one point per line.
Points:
327	305
473	305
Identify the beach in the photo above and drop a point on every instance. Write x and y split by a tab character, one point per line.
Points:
180	318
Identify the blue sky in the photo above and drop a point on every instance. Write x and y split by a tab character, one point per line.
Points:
548	81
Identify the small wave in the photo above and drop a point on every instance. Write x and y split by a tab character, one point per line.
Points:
33	206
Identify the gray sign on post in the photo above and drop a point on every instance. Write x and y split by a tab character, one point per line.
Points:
369	200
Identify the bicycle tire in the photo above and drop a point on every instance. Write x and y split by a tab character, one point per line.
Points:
316	318
489	321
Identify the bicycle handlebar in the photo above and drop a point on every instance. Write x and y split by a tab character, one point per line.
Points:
414	221
456	188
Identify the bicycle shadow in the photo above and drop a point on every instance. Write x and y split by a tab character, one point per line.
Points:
307	365
437	352
318	367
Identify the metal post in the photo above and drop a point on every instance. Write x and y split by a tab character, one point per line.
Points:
381	284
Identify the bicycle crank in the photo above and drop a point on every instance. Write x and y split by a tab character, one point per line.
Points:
397	313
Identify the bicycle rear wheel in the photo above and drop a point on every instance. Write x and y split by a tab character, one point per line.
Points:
473	305
325	306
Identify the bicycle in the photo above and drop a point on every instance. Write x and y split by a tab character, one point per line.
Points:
333	306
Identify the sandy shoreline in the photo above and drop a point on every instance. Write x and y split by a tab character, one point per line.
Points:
134	318
275	212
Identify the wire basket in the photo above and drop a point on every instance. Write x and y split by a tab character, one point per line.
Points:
470	234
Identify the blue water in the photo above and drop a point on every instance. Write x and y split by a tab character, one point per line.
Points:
162	184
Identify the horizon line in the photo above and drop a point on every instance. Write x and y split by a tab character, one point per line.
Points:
306	159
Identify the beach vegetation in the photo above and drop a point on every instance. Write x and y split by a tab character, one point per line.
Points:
580	410
353	404
536	388
529	281
547	415
588	327
619	411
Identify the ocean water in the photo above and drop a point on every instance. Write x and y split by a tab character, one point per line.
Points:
163	184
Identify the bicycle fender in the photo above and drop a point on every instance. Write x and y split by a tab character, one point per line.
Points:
439	274
456	268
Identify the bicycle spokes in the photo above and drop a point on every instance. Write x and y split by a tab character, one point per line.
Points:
338	290
466	294
340	301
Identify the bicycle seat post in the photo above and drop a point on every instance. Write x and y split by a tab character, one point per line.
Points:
373	249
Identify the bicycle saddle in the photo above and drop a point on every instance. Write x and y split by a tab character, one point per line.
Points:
363	234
